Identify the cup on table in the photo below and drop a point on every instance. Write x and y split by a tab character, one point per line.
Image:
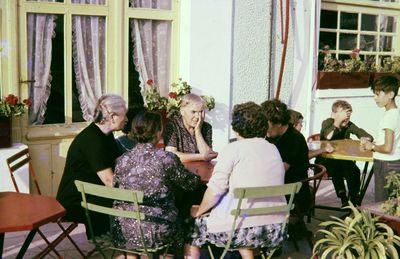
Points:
314	145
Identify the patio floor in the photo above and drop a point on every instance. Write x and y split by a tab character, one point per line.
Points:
13	241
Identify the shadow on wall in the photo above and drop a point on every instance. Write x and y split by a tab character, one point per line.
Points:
218	116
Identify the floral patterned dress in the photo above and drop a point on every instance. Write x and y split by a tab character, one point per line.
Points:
157	173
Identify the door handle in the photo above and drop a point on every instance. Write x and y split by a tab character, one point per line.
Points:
26	81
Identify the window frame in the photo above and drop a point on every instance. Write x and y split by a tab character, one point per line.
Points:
364	7
116	13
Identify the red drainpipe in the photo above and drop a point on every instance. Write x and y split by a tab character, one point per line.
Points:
284	41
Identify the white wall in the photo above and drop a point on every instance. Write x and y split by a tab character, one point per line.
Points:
205	58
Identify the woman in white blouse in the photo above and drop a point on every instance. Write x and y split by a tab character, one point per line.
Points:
249	162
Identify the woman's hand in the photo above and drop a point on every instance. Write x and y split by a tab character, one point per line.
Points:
328	148
367	145
197	129
209	155
194	211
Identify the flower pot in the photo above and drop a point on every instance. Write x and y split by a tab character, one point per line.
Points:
378	75
337	80
5	132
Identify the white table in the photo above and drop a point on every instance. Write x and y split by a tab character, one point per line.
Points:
21	175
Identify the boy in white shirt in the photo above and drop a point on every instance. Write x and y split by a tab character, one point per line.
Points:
386	147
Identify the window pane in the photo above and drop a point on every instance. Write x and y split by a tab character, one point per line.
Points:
388	23
327	38
386	43
348	21
88	53
328	19
347	41
46	66
369	22
368	42
94	2
343	56
153	4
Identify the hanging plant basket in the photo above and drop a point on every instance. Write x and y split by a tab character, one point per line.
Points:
338	80
5	132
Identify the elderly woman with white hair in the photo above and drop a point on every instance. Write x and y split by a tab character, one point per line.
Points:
188	135
91	158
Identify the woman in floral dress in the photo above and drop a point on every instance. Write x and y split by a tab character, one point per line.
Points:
157	173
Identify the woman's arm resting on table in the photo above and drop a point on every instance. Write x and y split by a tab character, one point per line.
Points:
187	157
209	201
106	176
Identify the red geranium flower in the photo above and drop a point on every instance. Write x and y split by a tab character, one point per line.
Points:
27	102
12	99
172	95
150	82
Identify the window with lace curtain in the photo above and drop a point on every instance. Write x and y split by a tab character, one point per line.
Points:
71	61
371	26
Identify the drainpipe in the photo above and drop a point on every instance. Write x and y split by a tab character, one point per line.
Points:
284	41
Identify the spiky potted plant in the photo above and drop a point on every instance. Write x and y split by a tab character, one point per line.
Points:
359	235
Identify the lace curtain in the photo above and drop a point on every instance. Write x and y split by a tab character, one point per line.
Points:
152	47
40	30
89	58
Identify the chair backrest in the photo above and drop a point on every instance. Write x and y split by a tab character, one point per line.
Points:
316	173
262	192
265	192
314	137
19	160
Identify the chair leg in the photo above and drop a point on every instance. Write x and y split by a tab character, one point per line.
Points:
50	246
67	231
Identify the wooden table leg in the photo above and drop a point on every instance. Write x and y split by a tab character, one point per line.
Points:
1	244
26	244
365	181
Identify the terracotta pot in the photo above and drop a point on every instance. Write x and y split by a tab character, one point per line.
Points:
5	132
337	80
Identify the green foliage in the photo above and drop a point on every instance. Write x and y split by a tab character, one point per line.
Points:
392	205
172	103
10	106
391	65
359	235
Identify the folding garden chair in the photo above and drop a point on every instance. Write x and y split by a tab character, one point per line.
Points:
14	163
316	173
255	193
104	242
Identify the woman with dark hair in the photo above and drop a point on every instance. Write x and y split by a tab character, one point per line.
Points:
125	141
157	173
248	162
294	152
91	158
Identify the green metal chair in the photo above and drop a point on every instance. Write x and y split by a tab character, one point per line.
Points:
104	242
255	193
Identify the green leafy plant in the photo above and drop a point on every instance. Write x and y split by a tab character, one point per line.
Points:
172	103
359	235
10	106
392	205
391	65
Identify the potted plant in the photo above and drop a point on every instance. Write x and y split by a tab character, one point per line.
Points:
171	103
359	235
352	72
10	107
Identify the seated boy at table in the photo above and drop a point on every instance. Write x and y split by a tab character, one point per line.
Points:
339	126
